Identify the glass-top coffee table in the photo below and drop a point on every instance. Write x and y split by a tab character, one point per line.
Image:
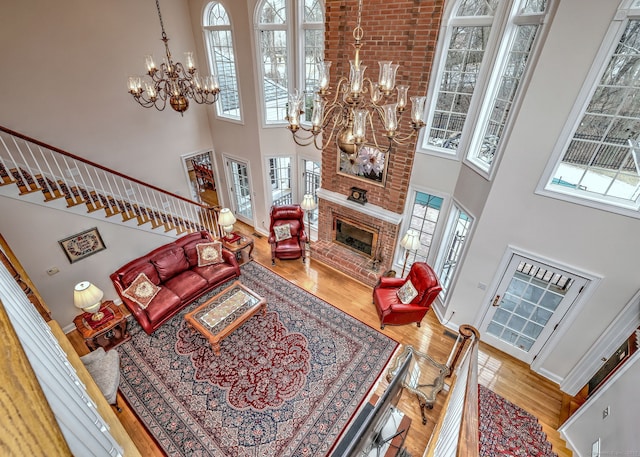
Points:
216	318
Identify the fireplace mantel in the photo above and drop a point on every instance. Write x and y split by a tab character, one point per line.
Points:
367	208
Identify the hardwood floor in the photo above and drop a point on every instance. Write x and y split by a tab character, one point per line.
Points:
503	374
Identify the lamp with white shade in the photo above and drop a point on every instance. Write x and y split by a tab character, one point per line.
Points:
308	204
410	242
88	298
226	219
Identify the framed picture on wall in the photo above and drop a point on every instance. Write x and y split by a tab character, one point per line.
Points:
82	245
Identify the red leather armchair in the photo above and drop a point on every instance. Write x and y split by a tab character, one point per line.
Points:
287	244
391	310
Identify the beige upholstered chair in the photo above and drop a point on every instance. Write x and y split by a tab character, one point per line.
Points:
104	368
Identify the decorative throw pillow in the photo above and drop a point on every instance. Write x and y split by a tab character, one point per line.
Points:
407	292
282	232
209	253
141	291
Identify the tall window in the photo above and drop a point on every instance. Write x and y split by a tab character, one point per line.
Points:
282	68
601	161
455	238
222	61
424	218
489	43
280	176
313	50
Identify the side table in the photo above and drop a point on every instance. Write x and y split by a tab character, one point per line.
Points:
108	335
236	247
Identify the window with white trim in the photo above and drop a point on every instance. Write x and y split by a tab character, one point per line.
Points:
311	179
425	212
222	60
489	43
452	247
600	163
281	66
280	178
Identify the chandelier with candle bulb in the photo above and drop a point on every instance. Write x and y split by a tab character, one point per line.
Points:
358	103
172	82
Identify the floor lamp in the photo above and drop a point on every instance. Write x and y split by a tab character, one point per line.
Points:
308	204
410	242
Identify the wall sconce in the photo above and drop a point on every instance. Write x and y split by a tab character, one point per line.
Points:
410	242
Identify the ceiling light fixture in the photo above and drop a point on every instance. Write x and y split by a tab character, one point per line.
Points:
347	113
172	82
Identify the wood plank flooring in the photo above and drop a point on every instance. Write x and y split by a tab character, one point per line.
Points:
501	373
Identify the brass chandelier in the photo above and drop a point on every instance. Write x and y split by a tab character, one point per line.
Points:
172	82
347	113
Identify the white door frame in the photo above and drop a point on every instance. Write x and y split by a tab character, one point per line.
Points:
185	166
593	280
232	199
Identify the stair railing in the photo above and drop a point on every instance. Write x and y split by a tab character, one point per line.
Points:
456	434
36	166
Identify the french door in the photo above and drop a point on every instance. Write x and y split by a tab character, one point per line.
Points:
529	303
238	177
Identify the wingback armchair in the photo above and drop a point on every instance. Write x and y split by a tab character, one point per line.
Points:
286	233
399	303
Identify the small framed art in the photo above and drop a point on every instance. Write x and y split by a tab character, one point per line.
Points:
82	244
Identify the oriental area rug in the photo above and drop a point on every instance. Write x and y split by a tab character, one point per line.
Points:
285	384
507	430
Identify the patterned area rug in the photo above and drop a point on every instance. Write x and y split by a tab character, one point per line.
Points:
507	430
285	384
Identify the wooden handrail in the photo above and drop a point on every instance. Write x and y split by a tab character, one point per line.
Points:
22	278
28	423
96	165
457	429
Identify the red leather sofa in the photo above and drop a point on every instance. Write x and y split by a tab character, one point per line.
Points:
174	268
391	310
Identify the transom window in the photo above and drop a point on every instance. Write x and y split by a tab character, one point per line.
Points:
222	61
481	68
600	162
285	60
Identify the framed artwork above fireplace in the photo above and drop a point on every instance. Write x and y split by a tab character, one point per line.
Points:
368	164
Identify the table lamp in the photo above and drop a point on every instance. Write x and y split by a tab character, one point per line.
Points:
226	219
88	298
410	242
308	204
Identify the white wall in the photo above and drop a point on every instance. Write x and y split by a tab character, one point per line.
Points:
594	241
618	432
65	83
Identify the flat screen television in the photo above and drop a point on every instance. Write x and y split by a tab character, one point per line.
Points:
365	434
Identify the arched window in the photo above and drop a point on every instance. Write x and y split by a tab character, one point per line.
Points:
287	60
222	61
488	46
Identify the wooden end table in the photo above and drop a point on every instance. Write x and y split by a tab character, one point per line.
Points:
216	318
237	246
107	335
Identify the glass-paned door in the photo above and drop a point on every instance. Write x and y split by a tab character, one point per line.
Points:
531	300
241	203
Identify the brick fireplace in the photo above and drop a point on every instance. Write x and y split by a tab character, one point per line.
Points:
406	32
362	266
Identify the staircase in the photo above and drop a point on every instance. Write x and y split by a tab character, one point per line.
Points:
33	171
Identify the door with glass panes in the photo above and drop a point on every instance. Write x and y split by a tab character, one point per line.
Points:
531	300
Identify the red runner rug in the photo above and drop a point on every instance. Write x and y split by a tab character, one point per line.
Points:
507	430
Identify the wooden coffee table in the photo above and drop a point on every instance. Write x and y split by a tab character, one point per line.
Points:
223	313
